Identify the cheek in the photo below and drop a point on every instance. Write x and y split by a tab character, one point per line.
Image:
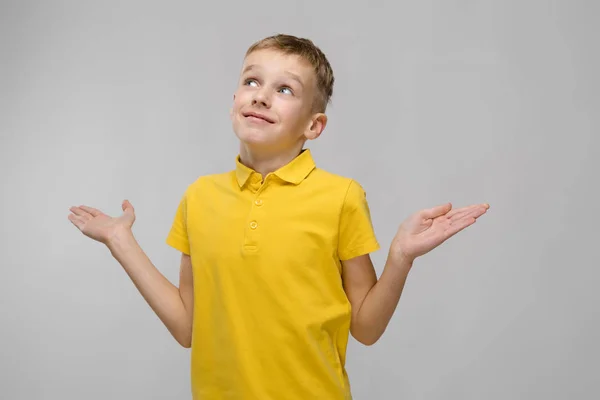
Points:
293	115
237	98
240	96
287	110
236	108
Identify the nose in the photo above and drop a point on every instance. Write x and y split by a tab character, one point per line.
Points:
261	98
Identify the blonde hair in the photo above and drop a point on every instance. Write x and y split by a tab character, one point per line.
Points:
306	49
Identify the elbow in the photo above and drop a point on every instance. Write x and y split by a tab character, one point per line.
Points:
367	341
185	336
187	344
185	340
366	338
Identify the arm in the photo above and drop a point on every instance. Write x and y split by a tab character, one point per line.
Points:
373	301
172	305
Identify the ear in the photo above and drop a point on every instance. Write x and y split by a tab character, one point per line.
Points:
316	127
231	109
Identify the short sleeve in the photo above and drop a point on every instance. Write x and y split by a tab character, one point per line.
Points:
356	236
178	236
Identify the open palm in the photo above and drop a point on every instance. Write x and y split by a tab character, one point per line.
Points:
427	229
99	226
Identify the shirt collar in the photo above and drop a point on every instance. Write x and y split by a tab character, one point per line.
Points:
293	172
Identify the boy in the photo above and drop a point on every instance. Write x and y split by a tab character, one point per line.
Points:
275	267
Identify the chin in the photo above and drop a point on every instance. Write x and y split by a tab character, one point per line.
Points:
254	137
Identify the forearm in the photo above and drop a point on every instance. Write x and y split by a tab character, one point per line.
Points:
381	301
160	294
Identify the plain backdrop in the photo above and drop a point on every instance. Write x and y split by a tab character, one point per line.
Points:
435	101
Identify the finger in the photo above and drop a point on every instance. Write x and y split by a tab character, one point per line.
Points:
79	222
474	211
478	212
94	212
436	211
456	211
79	212
459	226
468	208
127	206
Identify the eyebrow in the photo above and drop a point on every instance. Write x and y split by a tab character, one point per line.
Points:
290	74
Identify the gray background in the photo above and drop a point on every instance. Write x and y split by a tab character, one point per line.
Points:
435	101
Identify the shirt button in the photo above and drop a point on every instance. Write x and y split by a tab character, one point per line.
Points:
253	225
258	202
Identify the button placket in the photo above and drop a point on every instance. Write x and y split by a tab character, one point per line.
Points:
257	202
253	227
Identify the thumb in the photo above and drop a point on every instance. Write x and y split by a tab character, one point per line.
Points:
127	207
436	211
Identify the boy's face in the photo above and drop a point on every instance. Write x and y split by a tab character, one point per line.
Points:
273	104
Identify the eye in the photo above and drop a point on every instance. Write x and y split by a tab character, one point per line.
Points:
250	81
288	89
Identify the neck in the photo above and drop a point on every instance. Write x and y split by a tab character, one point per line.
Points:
265	162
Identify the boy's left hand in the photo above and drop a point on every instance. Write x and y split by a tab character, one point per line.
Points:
427	229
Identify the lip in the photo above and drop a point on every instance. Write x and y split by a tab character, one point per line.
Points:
260	116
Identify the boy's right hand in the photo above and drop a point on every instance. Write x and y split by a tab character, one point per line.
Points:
95	224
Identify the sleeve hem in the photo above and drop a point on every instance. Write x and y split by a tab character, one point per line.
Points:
366	248
178	245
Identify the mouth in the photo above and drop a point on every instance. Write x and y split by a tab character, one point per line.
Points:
258	117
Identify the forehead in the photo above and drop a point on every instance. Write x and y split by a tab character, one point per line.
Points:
278	63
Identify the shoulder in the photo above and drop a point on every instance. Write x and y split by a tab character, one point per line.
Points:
337	192
340	184
209	184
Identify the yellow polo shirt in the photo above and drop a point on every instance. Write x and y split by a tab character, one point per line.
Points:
271	318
